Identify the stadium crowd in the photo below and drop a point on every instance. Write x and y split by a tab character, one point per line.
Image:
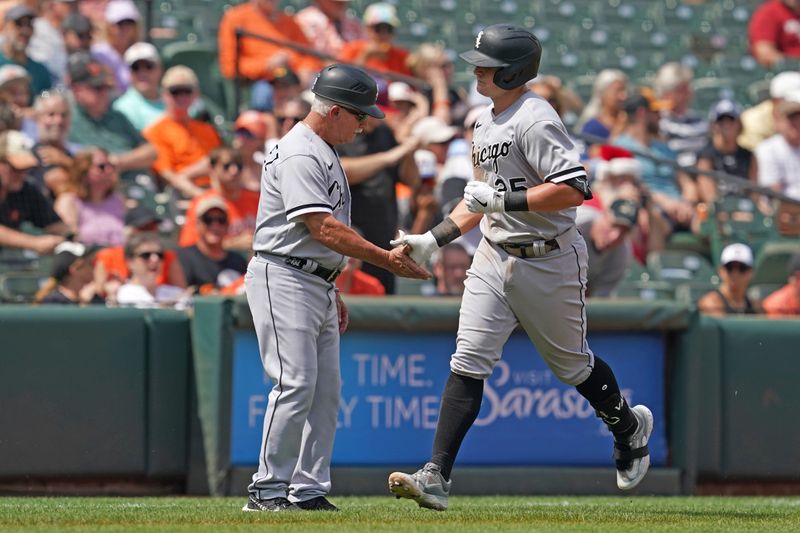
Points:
108	168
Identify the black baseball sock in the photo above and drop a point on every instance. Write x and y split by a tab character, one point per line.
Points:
461	402
603	393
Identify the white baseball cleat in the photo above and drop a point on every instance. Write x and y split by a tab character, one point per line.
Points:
633	457
426	486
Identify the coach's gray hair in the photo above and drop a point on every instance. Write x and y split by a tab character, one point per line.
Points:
322	106
669	76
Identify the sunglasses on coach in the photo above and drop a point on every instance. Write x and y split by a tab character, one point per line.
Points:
361	117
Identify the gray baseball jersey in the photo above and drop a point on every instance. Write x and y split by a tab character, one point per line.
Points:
301	175
524	146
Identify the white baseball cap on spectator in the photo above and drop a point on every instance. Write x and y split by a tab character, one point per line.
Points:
11	72
724	108
381	13
17	149
433	130
119	10
784	84
141	52
400	91
737	253
426	163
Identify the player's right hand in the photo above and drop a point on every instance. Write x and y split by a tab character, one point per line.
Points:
403	265
422	246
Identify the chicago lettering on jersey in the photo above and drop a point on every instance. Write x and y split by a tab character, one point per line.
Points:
492	151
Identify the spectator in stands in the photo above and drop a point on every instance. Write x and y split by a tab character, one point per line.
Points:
47	43
407	108
286	86
207	264
758	122
142	104
90	204
15	91
607	233
70	282
374	163
144	255
722	152
21	202
604	115
241	204
17	34
252	129
779	156
672	191
121	32
94	123
450	265
684	130
290	113
77	30
259	59
773	31
550	91
433	64
378	51
111	268
54	152
786	300
327	25
182	143
735	273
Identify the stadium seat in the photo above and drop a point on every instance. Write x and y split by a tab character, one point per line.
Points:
738	219
19	287
772	261
645	290
689	293
680	266
762	290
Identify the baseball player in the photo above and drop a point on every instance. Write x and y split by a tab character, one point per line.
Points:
301	241
529	269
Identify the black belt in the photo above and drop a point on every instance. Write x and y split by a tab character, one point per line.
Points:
306	265
529	249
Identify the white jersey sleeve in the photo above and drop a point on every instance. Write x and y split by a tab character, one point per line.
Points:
551	152
304	187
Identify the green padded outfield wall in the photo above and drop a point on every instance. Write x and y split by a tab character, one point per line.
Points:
93	392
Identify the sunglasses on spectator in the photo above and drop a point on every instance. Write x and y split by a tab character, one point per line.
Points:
84	36
737	267
24	22
149	255
210	219
283	120
361	117
244	132
181	91
383	28
143	65
231	164
126	22
103	167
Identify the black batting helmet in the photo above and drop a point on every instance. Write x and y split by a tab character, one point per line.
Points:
516	51
349	86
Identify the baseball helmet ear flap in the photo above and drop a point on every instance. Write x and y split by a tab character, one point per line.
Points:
514	51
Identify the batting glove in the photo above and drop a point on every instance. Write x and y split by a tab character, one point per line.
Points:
480	197
422	246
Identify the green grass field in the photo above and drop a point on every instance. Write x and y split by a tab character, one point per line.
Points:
374	514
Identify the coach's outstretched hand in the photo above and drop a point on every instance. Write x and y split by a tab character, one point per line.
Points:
402	265
422	246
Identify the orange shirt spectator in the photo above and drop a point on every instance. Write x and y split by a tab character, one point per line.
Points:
259	58
358	282
181	142
113	261
377	51
242	212
786	300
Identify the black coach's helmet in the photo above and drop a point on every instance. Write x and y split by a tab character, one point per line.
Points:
349	86
515	50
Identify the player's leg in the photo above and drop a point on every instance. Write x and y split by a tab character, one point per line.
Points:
311	481
553	312
485	322
286	318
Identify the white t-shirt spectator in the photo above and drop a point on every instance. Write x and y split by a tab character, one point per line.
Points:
778	162
134	295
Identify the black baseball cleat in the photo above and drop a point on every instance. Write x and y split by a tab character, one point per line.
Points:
320	503
270	505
